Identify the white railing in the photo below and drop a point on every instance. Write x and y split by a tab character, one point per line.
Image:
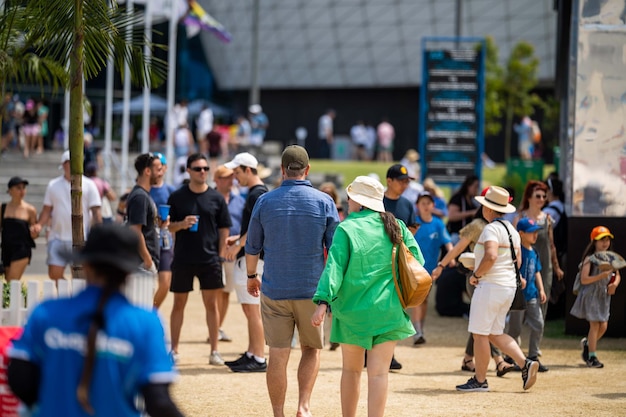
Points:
139	290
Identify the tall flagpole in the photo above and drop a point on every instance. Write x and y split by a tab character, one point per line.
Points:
171	89
147	51
126	110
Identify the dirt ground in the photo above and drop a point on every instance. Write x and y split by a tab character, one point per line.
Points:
425	385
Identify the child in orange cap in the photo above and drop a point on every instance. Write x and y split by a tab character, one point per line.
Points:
594	297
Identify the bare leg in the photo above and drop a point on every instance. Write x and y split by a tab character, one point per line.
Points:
307	374
16	269
165	278
210	300
55	272
509	346
256	339
596	331
224	299
351	378
482	355
276	379
378	377
176	318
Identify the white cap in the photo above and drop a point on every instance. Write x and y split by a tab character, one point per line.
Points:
246	159
64	158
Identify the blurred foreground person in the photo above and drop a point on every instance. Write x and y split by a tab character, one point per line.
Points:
94	353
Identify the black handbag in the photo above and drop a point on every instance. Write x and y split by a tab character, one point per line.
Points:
519	301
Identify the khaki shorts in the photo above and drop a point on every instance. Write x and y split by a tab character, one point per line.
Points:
240	281
280	317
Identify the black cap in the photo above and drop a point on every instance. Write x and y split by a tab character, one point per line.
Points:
398	172
112	244
16	181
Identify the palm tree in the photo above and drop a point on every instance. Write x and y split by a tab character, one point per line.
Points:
81	35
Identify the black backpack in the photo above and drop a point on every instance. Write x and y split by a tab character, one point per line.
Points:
559	231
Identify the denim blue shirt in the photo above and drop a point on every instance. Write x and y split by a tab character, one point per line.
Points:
292	225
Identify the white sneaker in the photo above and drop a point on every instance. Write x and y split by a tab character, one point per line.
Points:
224	337
215	358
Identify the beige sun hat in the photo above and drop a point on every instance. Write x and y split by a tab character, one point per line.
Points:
368	192
496	198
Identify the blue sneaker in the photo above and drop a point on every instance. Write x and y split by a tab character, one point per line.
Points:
472	385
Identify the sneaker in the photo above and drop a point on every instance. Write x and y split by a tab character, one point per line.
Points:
542	368
529	373
585	348
174	357
472	385
418	340
215	359
250	365
395	365
238	361
224	337
593	362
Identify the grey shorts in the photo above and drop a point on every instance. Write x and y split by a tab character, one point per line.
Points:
59	252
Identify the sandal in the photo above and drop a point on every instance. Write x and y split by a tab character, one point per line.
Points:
503	371
464	367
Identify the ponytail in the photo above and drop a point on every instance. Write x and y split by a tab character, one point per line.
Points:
391	227
115	278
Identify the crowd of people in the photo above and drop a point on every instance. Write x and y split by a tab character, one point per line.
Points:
24	124
295	257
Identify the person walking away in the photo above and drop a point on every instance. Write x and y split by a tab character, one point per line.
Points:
57	210
94	353
160	192
397	182
17	221
358	133
141	212
555	208
593	302
386	135
258	125
245	167
200	220
462	207
107	195
325	133
524	132
223	178
533	293
431	235
495	279
292	225
357	283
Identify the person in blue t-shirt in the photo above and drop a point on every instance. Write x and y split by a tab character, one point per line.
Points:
431	235
533	292
94	353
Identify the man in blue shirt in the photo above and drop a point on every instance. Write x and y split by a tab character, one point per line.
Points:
292	224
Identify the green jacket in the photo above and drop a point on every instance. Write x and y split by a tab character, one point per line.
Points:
357	281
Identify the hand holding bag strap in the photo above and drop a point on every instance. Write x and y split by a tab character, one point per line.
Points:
513	255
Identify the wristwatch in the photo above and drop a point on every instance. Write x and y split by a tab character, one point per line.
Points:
252	276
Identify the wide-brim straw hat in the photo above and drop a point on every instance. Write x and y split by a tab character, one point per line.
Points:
367	192
497	199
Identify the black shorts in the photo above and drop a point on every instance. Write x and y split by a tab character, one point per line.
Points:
209	275
165	260
12	253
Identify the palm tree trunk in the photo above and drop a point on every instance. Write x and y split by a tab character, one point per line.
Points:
75	132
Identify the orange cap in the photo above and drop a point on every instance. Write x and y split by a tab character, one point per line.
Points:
599	232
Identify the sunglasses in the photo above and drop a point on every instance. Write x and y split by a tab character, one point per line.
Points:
540	196
199	169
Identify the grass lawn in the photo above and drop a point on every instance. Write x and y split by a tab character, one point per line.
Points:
351	169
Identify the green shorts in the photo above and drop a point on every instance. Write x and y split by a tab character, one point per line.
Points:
340	333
